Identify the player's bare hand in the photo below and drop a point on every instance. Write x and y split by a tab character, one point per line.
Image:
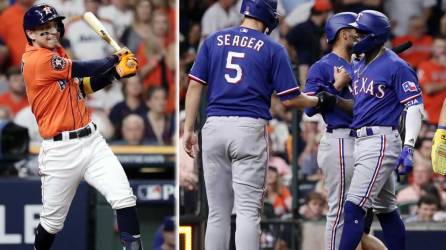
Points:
189	142
123	52
127	67
342	78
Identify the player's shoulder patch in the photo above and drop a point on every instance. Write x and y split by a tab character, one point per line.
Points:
58	63
409	86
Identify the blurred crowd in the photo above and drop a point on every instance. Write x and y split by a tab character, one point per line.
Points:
134	111
421	194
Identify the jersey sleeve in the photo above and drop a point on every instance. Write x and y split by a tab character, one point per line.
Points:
406	85
200	69
283	78
316	79
314	84
54	67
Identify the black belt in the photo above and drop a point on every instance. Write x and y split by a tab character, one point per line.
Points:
76	134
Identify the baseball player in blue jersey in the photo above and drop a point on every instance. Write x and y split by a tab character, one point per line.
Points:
241	67
383	85
335	155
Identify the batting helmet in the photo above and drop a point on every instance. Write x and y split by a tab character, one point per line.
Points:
337	22
39	15
262	10
375	25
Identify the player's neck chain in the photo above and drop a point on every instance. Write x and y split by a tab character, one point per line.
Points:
361	71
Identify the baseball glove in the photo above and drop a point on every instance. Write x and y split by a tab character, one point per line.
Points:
439	152
326	101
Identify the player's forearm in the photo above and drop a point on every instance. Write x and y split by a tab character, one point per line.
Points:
345	104
301	101
414	117
193	97
93	67
89	85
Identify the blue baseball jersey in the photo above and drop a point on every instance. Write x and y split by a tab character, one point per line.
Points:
242	68
381	90
320	78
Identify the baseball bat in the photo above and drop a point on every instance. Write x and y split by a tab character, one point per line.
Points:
99	28
402	47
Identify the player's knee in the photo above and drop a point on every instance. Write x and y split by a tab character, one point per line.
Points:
128	201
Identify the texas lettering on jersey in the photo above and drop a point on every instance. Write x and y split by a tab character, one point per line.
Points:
382	89
368	87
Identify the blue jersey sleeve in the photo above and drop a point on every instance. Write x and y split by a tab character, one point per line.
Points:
200	69
283	78
406	86
313	85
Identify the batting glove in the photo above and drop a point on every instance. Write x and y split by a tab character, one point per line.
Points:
439	151
326	101
406	160
127	67
123	52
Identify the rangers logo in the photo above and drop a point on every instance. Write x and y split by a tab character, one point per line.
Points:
409	86
58	63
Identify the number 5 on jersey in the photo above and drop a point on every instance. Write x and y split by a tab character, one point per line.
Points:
233	66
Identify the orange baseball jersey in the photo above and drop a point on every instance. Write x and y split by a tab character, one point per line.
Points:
430	72
54	96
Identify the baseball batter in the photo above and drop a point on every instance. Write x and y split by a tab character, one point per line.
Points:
72	148
383	85
241	68
439	144
332	74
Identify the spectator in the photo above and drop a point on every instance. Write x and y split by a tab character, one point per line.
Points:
279	163
159	126
221	14
11	30
422	174
400	11
26	119
314	208
140	30
310	49
153	55
15	99
433	80
358	5
133	104
421	42
165	236
277	194
120	14
188	176
189	45
423	151
132	131
427	206
85	44
67	8
307	161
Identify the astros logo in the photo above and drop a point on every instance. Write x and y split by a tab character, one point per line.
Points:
47	10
